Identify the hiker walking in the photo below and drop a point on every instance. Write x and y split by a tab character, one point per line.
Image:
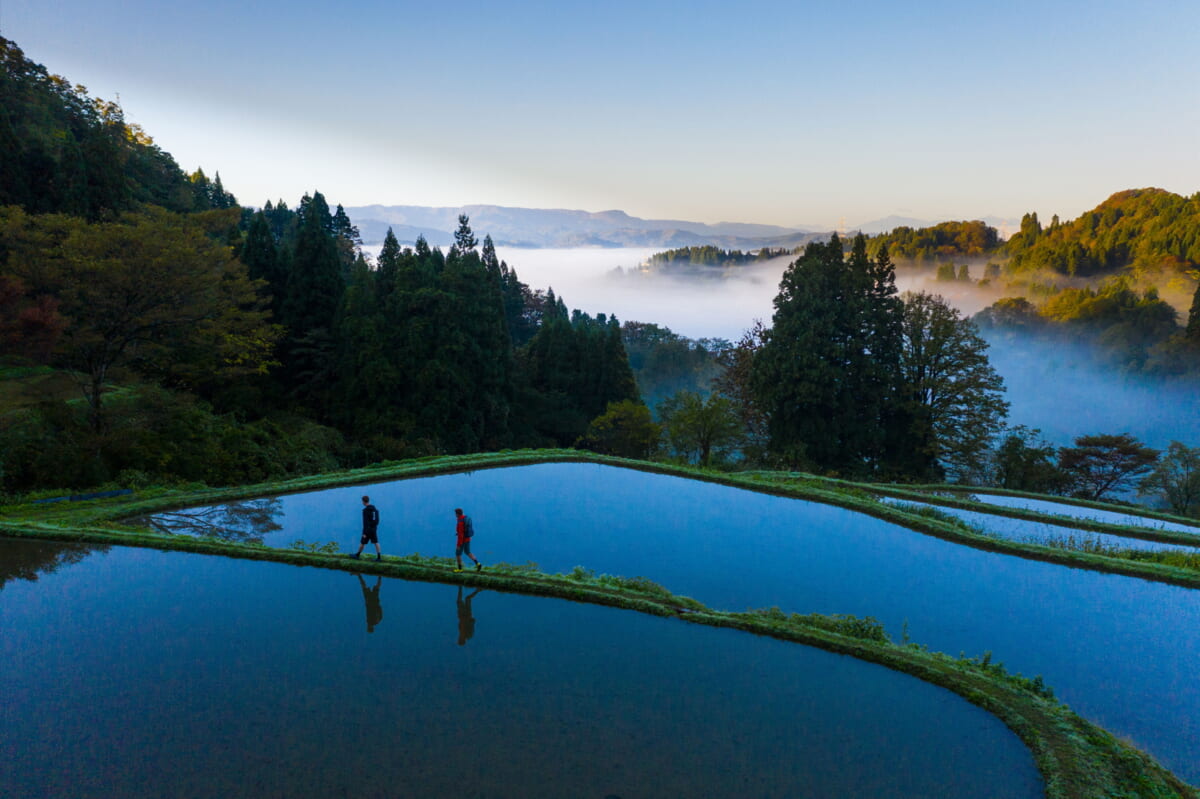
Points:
370	529
464	531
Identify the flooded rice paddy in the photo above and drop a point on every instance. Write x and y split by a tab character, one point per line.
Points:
135	672
1119	650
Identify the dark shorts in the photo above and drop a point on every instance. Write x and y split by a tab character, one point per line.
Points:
370	536
465	546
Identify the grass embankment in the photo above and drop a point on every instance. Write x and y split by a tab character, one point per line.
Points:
1077	760
859	497
1169	566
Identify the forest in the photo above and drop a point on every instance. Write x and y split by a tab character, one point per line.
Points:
155	330
709	255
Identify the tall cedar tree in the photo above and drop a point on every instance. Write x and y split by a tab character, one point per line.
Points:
312	296
575	367
828	376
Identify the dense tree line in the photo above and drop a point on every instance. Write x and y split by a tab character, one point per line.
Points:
209	342
853	378
947	241
665	362
61	151
1134	332
214	343
709	255
1141	229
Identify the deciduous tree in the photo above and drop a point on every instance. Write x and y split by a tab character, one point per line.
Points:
1105	463
956	398
1176	480
697	428
625	429
152	291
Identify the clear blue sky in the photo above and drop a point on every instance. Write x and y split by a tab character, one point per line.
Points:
791	113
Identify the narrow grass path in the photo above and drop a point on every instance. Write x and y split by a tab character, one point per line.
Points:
859	497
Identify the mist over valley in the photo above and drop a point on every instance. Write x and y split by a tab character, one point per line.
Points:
1065	391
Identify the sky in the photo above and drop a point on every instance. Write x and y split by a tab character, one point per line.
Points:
792	113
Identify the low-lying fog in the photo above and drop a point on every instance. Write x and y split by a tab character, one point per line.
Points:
1058	390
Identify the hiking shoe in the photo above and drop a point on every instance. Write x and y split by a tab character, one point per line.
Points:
458	570
355	556
478	566
379	557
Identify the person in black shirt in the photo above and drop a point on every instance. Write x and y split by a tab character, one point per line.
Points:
371	600
370	529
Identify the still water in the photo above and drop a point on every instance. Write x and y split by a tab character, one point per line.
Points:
1039	532
141	673
1082	512
1119	650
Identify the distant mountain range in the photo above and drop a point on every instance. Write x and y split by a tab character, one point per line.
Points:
535	227
550	227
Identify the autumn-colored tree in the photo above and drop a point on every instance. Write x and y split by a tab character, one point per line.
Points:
154	292
29	326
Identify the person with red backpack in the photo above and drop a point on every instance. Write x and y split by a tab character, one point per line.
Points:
464	532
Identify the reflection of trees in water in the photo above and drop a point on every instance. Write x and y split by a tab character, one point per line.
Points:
246	522
25	560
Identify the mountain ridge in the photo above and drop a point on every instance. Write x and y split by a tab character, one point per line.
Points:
562	227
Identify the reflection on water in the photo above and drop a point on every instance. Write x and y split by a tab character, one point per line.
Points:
26	560
735	549
247	522
466	622
371	601
149	673
1041	532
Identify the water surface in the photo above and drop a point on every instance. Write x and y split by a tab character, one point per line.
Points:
143	673
1038	532
1082	512
1120	650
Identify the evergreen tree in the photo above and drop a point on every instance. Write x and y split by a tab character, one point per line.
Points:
464	239
367	384
830	365
311	300
261	257
389	266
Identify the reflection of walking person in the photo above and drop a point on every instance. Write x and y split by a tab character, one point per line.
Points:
466	622
371	601
370	529
464	531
